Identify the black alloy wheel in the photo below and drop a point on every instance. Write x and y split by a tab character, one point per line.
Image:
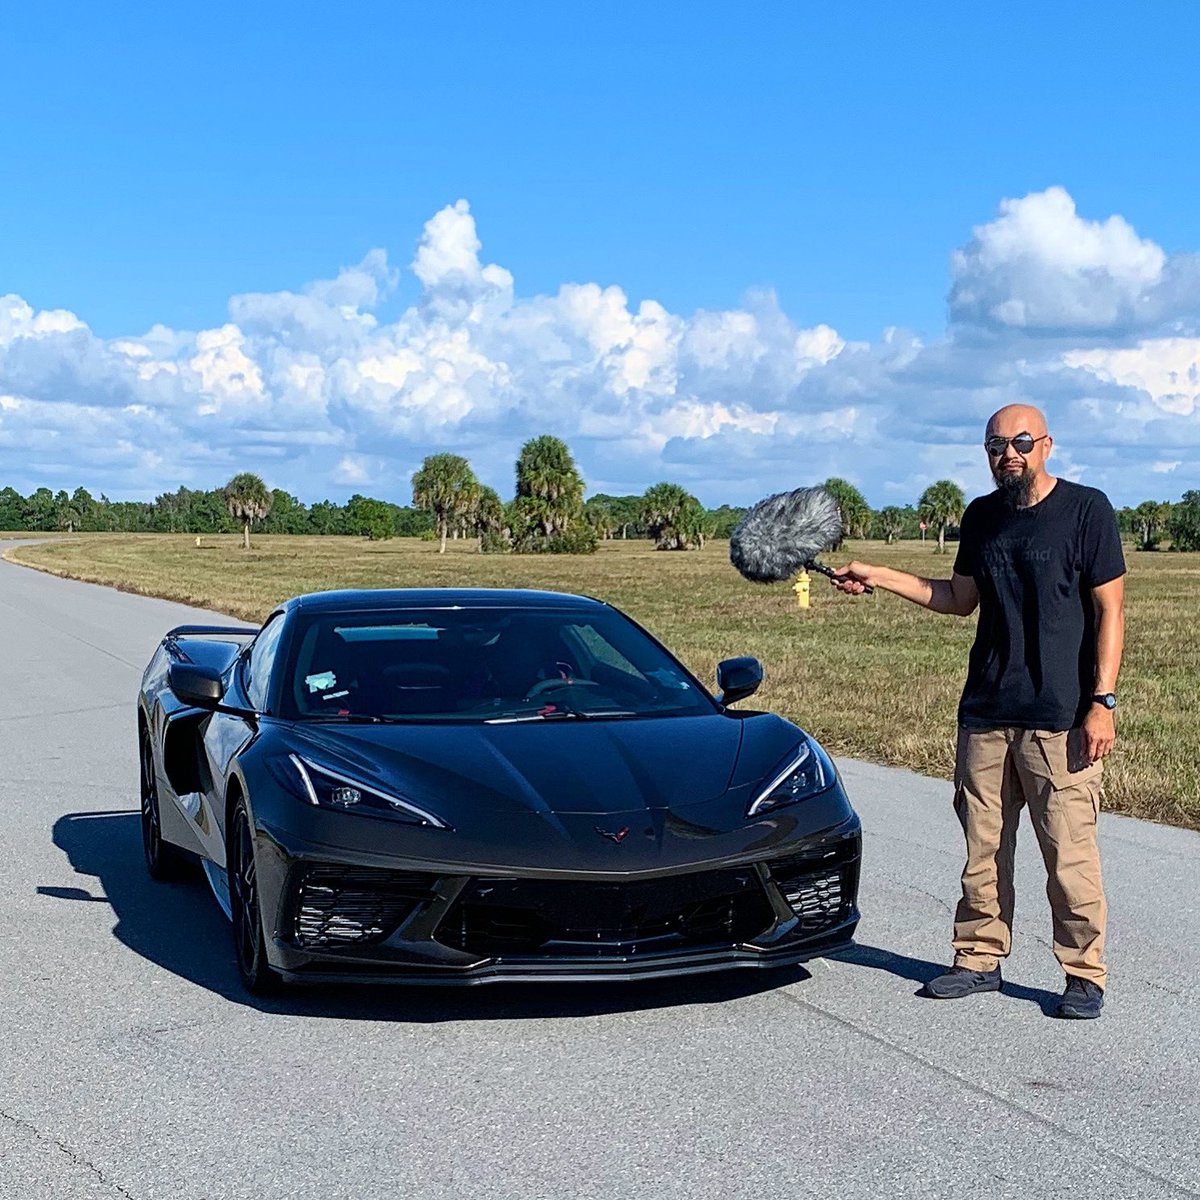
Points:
257	975
163	861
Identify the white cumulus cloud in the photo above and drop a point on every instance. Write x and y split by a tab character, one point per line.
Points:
313	388
1041	266
1166	370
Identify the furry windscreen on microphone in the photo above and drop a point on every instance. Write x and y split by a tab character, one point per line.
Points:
784	533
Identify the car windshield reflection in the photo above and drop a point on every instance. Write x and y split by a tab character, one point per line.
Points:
496	666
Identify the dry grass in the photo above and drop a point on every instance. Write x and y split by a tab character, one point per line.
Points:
873	677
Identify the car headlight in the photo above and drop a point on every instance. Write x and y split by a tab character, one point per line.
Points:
324	787
806	771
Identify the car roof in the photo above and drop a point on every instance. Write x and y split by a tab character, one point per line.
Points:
358	599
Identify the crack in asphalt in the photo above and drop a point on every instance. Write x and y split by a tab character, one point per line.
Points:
77	1158
1159	987
66	712
60	631
147	1033
1188	854
940	901
912	887
998	1097
1041	939
941	851
45	781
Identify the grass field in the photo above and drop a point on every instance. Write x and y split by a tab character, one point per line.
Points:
873	677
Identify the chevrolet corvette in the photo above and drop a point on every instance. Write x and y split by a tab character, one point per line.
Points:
467	785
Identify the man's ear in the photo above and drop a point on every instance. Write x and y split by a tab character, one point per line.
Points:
1049	445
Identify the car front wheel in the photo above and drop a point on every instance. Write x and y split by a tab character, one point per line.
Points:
248	936
163	861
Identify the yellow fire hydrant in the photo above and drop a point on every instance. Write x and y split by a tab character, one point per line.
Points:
800	587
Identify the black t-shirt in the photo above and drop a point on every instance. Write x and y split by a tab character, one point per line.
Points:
1033	664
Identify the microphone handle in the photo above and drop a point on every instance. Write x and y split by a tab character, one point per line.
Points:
822	569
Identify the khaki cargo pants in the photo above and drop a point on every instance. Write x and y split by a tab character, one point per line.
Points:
997	773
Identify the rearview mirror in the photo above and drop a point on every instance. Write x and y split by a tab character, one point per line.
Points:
738	678
198	686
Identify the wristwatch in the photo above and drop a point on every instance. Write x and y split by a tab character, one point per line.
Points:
1108	699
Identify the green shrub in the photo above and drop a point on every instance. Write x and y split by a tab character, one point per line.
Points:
493	542
578	538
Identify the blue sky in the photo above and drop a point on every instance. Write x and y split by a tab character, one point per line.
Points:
159	163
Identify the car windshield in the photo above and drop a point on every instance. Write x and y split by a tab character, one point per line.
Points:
482	665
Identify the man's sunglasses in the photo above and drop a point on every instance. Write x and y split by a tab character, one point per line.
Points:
1022	443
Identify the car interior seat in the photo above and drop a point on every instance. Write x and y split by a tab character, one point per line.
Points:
424	675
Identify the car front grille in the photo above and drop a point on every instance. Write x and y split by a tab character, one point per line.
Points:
819	887
340	906
570	919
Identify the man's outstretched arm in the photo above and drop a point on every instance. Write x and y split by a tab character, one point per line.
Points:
957	595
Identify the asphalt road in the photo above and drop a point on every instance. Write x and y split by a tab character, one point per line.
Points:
132	1065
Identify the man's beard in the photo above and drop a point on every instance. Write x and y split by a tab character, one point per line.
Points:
1017	488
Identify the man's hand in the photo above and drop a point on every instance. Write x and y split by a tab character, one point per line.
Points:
854	578
1099	733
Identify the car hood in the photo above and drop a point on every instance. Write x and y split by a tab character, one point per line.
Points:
562	767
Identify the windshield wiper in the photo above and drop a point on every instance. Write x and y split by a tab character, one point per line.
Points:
564	714
345	719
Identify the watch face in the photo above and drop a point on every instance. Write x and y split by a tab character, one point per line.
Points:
1108	700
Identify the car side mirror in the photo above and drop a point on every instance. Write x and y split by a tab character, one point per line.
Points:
738	678
194	685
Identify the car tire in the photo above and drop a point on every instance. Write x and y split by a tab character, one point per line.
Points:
248	935
164	862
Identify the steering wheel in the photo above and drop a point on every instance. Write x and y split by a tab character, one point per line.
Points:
550	685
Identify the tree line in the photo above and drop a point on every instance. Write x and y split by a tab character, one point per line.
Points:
940	509
1154	522
196	511
547	514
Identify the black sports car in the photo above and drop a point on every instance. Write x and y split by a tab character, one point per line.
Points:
461	786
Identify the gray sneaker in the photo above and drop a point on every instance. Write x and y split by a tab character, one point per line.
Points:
1082	1000
961	981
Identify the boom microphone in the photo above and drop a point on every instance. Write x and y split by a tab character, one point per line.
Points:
784	534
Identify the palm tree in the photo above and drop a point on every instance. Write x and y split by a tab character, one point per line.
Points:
1150	518
942	504
661	506
693	524
69	513
549	486
1184	526
891	523
248	500
446	487
600	516
673	517
468	510
856	512
488	516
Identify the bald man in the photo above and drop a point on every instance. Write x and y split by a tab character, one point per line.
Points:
1041	559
